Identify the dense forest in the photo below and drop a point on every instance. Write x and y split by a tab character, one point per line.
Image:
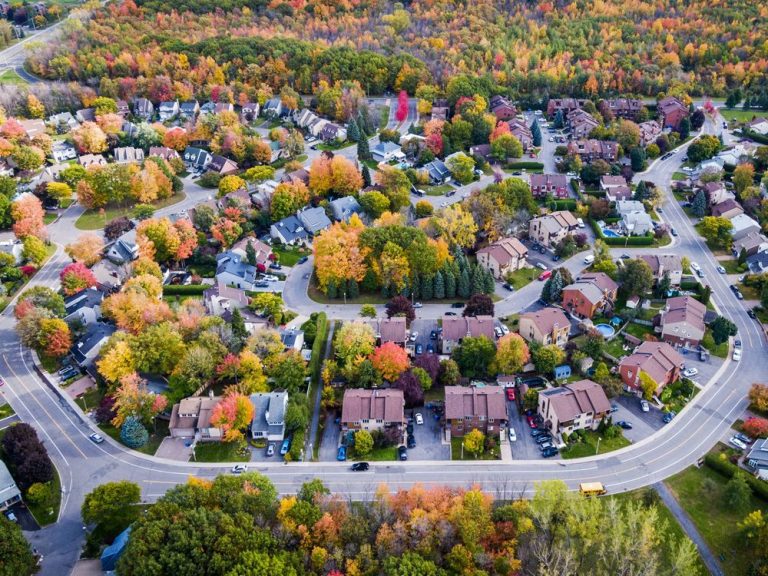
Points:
534	48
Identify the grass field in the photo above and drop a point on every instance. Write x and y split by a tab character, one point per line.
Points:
315	294
589	448
524	276
719	350
11	77
740	115
701	492
456	452
377	455
220	452
48	514
289	255
6	410
732	266
437	190
96	220
331	147
679	176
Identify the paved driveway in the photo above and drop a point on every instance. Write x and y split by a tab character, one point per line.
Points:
329	444
429	435
643	423
525	447
175	449
424	327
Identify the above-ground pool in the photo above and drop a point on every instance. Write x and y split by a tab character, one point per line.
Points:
605	329
610	233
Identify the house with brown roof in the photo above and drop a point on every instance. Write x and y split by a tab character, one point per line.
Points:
191	418
615	188
625	107
470	408
657	359
263	250
222	165
503	256
590	150
671	112
547	326
373	409
439	113
581	123
502	108
580	405
565	104
520	130
589	294
669	264
219	298
301	175
649	132
163	152
716	193
728	209
456	328
554	184
549	229
752	243
682	321
390	330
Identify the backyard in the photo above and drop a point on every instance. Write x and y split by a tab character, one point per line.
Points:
589	445
289	255
97	219
522	277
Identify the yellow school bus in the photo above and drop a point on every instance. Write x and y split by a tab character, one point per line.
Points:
592	488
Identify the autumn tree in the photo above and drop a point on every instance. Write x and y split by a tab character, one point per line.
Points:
90	138
133	398
354	341
287	199
88	249
402	106
390	360
755	427
232	414
401	306
456	226
474	442
511	354
157	239
76	277
27	213
743	177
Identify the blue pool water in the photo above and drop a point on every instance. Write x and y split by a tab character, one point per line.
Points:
606	330
610	233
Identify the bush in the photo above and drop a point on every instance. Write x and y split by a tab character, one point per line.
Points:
26	456
720	464
209	180
184	290
133	434
297	445
525	165
317	347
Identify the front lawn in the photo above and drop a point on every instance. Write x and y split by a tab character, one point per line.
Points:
719	350
679	176
456	452
6	410
702	494
732	266
96	220
331	147
739	115
289	255
522	277
377	455
438	190
48	512
221	452
588	446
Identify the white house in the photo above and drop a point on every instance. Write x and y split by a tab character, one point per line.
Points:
386	151
168	110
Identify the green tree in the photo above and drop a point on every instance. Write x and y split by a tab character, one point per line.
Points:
717	231
132	433
637	159
368	311
474	442
685	128
474	356
536	133
16	558
363	442
546	358
602	374
636	277
699	204
461	167
449	373
464	287
737	492
34	250
722	329
363	149
439	286
506	146
366	173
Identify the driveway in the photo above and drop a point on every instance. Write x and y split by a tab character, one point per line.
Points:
24	517
424	327
525	447
175	449
429	436
329	444
644	424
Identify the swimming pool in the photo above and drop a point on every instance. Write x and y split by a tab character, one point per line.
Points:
605	329
610	233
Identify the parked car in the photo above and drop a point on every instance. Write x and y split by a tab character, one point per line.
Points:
419	349
543	438
531	422
668	416
504	330
549	452
508	286
614	407
402	453
644	406
721	269
743	437
498	332
673	231
302	260
535	433
457	305
271	449
418	305
409	428
96	438
546	445
414	335
511	394
419	418
512	435
736	355
360	467
433	335
430	348
690	372
411	441
737	344
694	266
624	424
239	468
737	443
751	314
450	313
276	266
11	516
285	446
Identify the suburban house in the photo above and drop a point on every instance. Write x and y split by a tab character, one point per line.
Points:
607	182
390	330
220	107
759	126
438	172
130	129
502	108
314	220
63	122
124	249
565	105
9	492
480	151
86	350
682	321
456	328
122	108
635	221
546	184
85	115
627	108
196	158
717	193
344	207
221	165
520	130
263	250
32	127
163	152
143	108
581	123
590	150
757	459
503	256
728	209
253	322
386	151
671	112
743	225
333	133
751	243
63	151
189	109
273	108
439	112
657	359
579	405
292	339
470	408
649	132
84	307
15	248
269	410
300	175
550	229
88	160
758	263
289	230
232	270
168	110
191	418
238	198
590	294
219	298
546	326
128	155
669	264
373	409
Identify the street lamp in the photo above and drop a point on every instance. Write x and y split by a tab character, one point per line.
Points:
462	450
598	445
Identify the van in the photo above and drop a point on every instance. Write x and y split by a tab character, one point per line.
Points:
544	275
589	259
580	222
592	489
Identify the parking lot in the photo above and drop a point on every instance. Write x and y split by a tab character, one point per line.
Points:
643	423
424	328
429	444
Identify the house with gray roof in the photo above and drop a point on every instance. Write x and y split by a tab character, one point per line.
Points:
123	250
219	298
273	108
189	109
314	220
63	122
128	155
143	108
758	262
84	307
87	349
269	410
233	270
63	151
438	172
386	151
129	129
168	110
9	492
344	207
222	165
757	459
289	230
86	115
292	339
196	158
743	225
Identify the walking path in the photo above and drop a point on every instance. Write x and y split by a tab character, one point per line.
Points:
687	525
310	439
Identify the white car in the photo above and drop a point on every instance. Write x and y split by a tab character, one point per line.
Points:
418	305
239	468
721	269
695	267
644	406
737	354
414	336
737	443
498	332
270	278
504	330
690	372
96	438
419	418
512	435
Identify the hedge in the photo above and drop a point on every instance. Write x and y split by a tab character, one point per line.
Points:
184	290
526	165
317	347
631	241
755	136
563	204
721	465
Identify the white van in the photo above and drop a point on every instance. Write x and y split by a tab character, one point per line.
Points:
580	222
589	259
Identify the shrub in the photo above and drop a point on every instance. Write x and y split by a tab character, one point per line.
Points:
209	180
133	434
719	463
184	290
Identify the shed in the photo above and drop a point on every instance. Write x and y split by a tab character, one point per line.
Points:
562	372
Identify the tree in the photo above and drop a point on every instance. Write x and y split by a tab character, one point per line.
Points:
474	442
34	250
758	397
627	134
474	356
423	209
505	147
232	414
743	177
76	277
374	203
648	385
58	191
54	338
400	306
462	168
479	305
449	373
737	492
536	133
363	149
354	341
363	442
402	106
368	311
133	433
134	399
288	198
113	505
722	328
390	360
338	256
90	138
602	374
699	204
229	184
636	277
288	371
685	128
87	249
411	387
546	358
27	213
637	159
511	354
756	427
16	554
717	231
42	297
703	148
456	226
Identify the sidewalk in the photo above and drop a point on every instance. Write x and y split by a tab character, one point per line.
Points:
685	523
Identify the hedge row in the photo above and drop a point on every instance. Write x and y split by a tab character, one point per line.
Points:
184	290
724	467
631	241
755	136
317	347
563	204
526	165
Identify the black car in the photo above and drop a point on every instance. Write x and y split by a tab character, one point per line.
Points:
302	260
549	452
402	453
734	288
555	258
751	314
411	441
457	305
450	313
276	266
360	466
508	286
624	424
409	428
543	439
535	432
668	416
673	231
433	335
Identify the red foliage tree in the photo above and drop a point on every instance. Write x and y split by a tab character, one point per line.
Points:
391	360
27	214
756	427
76	277
402	106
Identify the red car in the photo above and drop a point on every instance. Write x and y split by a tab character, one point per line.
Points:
511	394
531	422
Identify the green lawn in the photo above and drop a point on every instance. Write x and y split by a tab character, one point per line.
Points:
740	115
522	277
95	220
11	77
701	493
615	348
6	410
48	513
732	266
673	529
679	176
719	350
456	452
638	330
437	190
289	255
332	147
49	218
318	296
749	292
377	455
589	447
383	116
220	452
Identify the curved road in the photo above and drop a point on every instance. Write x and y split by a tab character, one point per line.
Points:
83	465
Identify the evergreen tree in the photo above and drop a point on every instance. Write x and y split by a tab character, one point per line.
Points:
559	120
239	331
685	128
641	192
331	290
664	283
450	282
464	285
536	132
742	256
545	291
490	283
427	284
250	253
699	204
366	176
439	287
363	151
478	281
363	124
705	294
637	158
556	288
370	283
417	286
353	290
353	131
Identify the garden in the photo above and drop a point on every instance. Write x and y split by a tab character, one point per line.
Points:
582	443
475	446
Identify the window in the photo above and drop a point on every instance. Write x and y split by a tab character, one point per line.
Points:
490	420
364	421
